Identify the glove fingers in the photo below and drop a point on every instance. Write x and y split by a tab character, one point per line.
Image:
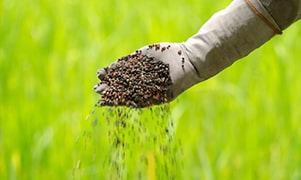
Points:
100	88
101	73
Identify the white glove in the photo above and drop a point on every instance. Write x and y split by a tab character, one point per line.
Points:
228	36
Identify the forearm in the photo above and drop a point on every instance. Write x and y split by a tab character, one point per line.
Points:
232	34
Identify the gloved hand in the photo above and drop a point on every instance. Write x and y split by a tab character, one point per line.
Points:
181	71
228	36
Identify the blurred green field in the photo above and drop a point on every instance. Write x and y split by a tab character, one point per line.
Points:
245	123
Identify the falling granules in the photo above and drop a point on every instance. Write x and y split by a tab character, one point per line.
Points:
136	81
129	143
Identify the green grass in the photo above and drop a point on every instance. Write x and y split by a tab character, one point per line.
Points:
245	123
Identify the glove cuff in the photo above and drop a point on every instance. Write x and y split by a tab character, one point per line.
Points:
262	13
284	12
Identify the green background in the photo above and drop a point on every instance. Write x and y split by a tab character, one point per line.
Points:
244	123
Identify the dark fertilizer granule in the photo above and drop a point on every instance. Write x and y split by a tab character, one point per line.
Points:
135	81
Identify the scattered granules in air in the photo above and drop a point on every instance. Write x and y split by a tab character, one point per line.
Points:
129	143
136	81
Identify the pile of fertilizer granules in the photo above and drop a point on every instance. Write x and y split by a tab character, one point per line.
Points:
135	81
